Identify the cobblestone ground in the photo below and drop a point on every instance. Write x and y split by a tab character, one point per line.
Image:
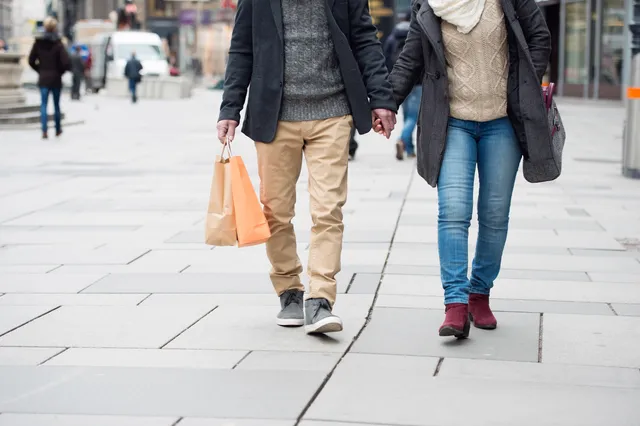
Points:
113	311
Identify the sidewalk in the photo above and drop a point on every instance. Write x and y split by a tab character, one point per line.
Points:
114	313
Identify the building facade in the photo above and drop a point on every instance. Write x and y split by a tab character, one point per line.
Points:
6	25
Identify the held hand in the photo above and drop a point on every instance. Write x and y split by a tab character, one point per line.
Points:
226	130
387	120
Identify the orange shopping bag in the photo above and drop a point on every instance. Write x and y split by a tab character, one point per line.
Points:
220	226
252	226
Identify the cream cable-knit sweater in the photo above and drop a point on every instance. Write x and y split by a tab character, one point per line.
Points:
477	66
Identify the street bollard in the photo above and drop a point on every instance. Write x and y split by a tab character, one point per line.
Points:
631	148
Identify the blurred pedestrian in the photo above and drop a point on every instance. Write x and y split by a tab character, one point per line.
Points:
3	46
77	71
483	107
50	60
309	87
132	73
411	106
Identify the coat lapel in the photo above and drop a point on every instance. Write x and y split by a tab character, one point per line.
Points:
430	24
276	8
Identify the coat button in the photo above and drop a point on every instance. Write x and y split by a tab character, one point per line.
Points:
280	84
437	75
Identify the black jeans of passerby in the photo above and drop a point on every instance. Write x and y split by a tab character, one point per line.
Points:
76	82
353	145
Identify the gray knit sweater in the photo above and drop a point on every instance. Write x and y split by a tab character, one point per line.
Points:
313	86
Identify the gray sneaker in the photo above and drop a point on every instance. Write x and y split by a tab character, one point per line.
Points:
318	317
291	314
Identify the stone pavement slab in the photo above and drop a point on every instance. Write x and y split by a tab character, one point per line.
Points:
289	361
10	419
236	422
578	375
394	395
160	358
415	332
626	309
118	326
588	340
166	392
26	356
69	299
12	317
46	283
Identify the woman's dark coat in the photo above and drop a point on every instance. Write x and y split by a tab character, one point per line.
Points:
529	49
50	60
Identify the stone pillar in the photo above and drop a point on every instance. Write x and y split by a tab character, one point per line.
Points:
11	92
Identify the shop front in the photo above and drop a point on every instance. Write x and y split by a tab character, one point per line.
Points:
589	47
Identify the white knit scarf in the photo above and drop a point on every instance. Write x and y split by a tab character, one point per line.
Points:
464	14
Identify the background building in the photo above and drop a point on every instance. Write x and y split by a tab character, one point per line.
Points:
6	26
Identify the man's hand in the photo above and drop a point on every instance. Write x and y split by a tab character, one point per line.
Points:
383	121
226	130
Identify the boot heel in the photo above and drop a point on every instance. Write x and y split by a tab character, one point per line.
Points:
465	331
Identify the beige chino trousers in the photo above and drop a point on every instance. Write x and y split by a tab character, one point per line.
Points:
325	146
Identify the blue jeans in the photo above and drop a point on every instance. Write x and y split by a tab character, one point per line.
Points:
410	108
494	148
133	84
44	101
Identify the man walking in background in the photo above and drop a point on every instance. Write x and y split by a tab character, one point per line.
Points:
132	73
315	68
77	71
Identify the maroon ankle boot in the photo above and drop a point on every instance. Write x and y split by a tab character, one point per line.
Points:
456	321
480	312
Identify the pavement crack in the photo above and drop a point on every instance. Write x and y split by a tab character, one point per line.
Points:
353	278
540	337
612	309
177	421
438	367
369	314
53	356
30	321
139	257
241	359
145	298
186	329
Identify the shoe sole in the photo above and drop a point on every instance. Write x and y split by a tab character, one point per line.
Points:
327	325
290	322
482	326
399	151
455	332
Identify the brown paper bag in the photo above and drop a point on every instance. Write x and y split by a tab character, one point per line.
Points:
220	226
252	225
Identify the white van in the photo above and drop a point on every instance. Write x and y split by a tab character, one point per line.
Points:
111	51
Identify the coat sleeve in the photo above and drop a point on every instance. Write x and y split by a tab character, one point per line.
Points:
410	64
240	64
65	60
536	34
33	59
368	53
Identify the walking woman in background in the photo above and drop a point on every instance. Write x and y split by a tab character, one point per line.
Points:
50	60
481	63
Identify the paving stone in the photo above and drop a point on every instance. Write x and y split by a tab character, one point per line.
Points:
104	326
236	422
321	423
26	269
165	392
498	305
167	358
613	277
592	340
72	299
212	300
49	283
520	289
394	331
11	419
365	284
26	356
183	283
627	309
578	375
12	317
378	389
25	255
253	328
290	361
